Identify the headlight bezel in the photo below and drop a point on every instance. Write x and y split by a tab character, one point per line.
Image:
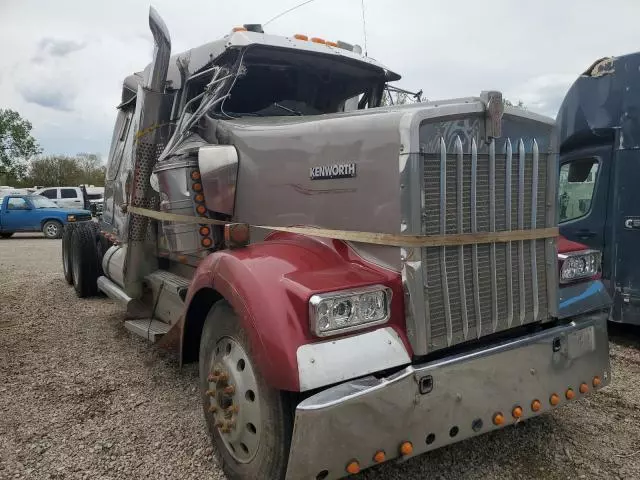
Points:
318	299
565	258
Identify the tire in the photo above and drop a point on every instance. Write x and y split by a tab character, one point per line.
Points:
52	229
66	252
6	234
84	261
258	445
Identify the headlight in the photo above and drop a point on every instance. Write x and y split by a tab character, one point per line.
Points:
579	265
71	218
338	312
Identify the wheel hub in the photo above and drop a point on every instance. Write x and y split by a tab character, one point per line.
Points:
233	400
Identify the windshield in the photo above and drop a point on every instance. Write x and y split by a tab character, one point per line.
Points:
275	82
42	202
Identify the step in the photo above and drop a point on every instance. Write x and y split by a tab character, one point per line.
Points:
151	330
169	280
135	308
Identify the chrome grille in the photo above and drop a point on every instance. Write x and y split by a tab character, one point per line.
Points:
479	289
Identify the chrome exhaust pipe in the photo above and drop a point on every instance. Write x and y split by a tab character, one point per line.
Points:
157	74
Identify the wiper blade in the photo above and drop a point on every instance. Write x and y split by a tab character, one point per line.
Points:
295	112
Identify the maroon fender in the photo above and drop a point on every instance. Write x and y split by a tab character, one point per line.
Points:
269	285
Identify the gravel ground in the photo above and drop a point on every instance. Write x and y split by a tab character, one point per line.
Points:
82	398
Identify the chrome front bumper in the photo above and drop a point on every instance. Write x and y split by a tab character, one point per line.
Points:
447	400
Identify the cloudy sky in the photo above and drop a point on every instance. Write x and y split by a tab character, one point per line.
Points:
63	61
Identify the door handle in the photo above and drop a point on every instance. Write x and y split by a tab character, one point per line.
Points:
584	234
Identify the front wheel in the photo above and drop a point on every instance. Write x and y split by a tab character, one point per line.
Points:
250	423
52	229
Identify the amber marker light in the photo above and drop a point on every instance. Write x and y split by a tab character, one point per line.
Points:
517	412
331	44
195	175
197	187
498	419
239	29
353	467
236	234
321	41
199	198
406	448
596	382
554	399
584	388
380	456
201	209
204	231
536	405
206	242
570	394
300	36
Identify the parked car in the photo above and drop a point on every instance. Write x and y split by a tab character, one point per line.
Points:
36	213
65	197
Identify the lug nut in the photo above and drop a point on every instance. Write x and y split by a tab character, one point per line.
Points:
230	390
223	377
219	424
213	378
211	393
233	409
213	409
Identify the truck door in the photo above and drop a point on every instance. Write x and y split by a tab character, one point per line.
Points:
625	241
51	194
71	198
583	192
18	216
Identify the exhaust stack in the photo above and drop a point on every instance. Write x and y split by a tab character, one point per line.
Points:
157	75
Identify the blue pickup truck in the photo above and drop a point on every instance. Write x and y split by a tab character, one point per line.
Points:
35	213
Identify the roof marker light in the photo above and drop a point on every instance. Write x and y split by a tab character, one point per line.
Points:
322	41
239	29
300	36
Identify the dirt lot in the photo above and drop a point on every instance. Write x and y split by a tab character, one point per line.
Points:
81	398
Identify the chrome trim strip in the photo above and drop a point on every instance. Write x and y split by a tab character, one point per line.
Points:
443	231
474	229
551	220
534	212
492	227
460	189
507	195
521	159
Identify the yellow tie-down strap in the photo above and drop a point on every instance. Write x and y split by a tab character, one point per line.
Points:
388	239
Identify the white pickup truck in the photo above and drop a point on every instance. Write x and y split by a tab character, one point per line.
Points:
72	197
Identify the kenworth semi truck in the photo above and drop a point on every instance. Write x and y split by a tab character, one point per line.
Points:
358	283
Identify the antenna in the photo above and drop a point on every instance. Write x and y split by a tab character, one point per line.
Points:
364	29
302	4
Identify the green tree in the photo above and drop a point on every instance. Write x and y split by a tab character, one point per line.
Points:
65	170
17	145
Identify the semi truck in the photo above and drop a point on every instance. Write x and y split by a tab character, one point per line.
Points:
599	134
358	283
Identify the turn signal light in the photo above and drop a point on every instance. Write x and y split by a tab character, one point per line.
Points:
299	36
319	40
406	448
331	44
353	467
554	399
197	187
584	388
380	456
498	419
536	405
517	412
195	175
206	242
239	29
201	209
570	394
596	382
